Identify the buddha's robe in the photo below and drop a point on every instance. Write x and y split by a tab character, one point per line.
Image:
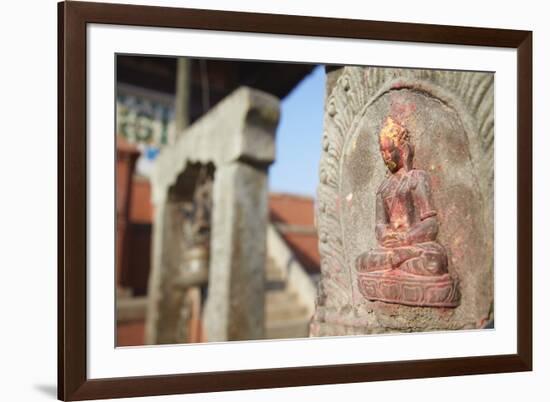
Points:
404	208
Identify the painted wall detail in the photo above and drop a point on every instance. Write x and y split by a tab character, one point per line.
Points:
408	266
145	116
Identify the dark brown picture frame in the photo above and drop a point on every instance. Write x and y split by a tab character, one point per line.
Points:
73	383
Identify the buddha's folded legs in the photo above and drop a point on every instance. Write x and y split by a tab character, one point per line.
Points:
385	258
432	261
375	260
421	259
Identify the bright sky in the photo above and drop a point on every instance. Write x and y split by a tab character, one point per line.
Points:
298	138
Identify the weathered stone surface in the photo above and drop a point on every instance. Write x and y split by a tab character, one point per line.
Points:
235	141
164	299
235	305
450	119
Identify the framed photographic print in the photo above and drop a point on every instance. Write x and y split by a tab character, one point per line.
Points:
253	200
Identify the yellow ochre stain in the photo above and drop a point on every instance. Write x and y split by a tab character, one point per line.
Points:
393	131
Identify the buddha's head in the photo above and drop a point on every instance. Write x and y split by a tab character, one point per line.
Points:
395	148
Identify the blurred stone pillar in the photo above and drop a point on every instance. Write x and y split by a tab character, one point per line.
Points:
237	139
163	300
234	308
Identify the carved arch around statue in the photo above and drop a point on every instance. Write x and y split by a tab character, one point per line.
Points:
450	117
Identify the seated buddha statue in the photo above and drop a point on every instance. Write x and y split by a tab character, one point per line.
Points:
406	231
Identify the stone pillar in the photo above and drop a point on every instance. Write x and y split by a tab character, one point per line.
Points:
235	305
236	139
164	300
448	117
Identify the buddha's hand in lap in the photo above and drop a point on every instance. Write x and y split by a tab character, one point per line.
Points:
394	239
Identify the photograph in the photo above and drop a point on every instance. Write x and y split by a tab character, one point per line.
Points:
245	201
260	200
253	200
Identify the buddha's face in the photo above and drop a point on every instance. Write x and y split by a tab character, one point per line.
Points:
393	146
391	154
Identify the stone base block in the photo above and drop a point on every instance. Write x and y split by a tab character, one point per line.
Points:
394	286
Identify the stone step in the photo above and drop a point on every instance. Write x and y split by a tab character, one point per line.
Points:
286	313
287	329
282	308
280	296
273	272
274	286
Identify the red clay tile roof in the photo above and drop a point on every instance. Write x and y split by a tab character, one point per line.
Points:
291	209
293	216
305	249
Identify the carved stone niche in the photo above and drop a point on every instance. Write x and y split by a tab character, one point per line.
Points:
448	118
